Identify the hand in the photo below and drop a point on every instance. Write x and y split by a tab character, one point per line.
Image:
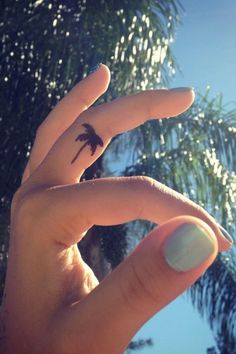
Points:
53	303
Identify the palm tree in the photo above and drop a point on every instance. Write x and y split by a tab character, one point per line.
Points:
90	138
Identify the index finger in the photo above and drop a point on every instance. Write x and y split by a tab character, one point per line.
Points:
86	139
82	96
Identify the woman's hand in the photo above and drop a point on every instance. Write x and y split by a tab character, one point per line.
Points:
53	303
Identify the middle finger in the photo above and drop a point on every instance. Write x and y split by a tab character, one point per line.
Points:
86	139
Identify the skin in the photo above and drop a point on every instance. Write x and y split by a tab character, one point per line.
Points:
53	302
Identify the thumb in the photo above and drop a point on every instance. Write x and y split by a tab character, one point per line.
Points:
169	260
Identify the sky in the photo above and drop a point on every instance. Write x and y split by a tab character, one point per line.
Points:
205	49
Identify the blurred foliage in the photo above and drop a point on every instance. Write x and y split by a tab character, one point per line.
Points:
214	296
211	350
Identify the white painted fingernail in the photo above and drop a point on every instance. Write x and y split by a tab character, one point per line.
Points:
187	247
182	89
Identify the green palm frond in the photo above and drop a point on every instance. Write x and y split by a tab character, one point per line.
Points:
214	296
206	125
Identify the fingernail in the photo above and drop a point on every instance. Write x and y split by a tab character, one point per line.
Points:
182	89
226	234
95	68
188	247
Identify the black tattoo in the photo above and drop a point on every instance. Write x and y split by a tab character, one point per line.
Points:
91	138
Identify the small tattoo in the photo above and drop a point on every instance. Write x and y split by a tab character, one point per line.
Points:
91	138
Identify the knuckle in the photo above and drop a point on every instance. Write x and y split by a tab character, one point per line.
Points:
84	102
145	102
27	209
143	186
143	182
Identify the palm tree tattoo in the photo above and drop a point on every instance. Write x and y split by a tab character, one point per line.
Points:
91	138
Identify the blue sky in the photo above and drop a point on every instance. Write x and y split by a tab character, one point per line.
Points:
205	49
